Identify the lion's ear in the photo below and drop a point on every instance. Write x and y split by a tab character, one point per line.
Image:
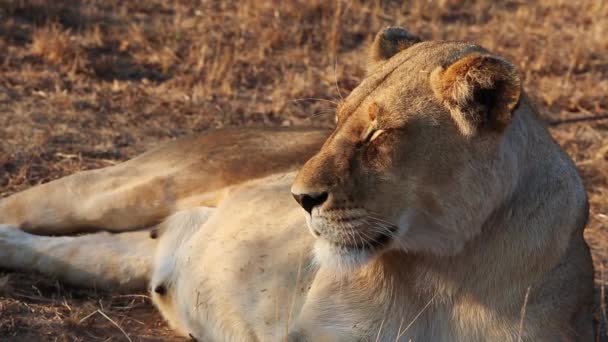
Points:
481	92
390	41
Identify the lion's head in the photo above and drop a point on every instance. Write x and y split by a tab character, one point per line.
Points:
421	155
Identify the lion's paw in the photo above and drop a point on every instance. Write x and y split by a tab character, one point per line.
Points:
14	246
10	233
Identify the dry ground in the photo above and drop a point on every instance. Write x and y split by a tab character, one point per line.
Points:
88	84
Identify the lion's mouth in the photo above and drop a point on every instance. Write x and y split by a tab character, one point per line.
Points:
370	244
353	233
343	247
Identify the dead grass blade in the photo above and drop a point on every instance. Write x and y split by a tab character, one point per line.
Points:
579	119
115	324
523	315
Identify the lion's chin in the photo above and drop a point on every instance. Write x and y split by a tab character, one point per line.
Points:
340	259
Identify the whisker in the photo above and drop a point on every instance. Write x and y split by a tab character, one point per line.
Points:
378	218
383	223
355	236
336	77
350	234
365	239
417	316
314	99
386	227
320	113
389	229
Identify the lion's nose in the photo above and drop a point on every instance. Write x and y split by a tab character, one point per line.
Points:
309	201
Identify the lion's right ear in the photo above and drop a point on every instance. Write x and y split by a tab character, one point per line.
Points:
390	41
481	91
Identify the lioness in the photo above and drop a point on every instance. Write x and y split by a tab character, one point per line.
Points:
439	209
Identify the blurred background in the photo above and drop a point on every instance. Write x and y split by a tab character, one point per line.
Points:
87	84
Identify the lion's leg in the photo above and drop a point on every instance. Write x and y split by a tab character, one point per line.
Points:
141	192
123	261
120	261
128	196
132	195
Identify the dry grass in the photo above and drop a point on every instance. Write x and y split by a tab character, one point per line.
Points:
91	83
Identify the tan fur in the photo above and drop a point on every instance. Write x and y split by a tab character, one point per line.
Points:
188	172
390	41
446	202
457	85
